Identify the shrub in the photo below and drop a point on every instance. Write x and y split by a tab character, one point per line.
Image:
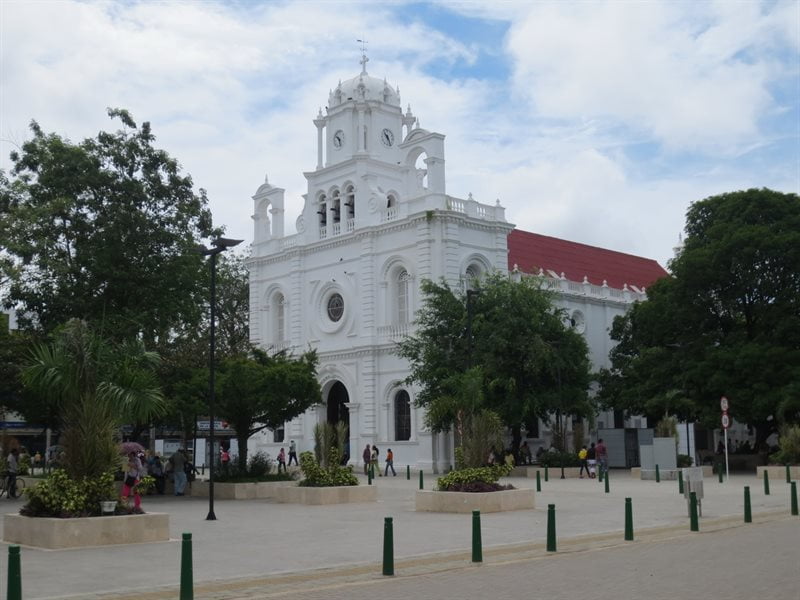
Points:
474	479
558	459
259	464
684	460
258	469
60	496
332	475
789	444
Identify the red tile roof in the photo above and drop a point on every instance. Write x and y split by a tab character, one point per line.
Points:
531	251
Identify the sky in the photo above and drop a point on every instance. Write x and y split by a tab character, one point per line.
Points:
597	122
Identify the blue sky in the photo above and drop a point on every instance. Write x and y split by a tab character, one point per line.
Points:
598	122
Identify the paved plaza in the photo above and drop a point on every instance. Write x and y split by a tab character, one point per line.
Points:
261	549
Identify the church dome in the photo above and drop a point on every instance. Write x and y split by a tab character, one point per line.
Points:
362	88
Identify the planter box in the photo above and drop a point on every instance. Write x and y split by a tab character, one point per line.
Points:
778	473
241	491
53	534
555	472
639	473
466	502
327	495
520	471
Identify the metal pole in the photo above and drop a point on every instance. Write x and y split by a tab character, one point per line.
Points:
477	549
551	527
14	584
693	524
727	474
187	585
794	498
748	513
766	482
628	520
211	516
680	482
388	546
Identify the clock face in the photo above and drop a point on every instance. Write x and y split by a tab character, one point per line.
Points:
338	139
387	137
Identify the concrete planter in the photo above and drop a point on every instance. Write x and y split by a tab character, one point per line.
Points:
778	472
666	474
241	491
466	502
555	472
344	494
54	534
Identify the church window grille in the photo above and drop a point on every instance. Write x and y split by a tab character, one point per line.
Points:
402	416
350	202
280	318
336	208
335	307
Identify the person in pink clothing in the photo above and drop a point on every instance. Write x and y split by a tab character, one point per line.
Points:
282	460
133	474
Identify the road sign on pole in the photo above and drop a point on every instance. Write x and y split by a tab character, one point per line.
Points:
723	404
726	421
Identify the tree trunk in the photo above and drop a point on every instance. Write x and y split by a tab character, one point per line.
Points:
241	439
516	441
763	431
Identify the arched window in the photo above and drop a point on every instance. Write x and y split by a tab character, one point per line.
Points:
402	297
336	208
350	201
402	416
322	210
391	201
471	275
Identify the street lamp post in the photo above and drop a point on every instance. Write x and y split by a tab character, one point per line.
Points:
219	245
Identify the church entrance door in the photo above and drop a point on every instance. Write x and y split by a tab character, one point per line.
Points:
338	411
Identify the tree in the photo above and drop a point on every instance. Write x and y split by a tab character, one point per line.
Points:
95	386
105	231
260	391
532	364
726	323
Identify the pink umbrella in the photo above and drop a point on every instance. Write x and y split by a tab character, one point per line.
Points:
128	447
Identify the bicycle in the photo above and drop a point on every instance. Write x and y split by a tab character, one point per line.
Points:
4	485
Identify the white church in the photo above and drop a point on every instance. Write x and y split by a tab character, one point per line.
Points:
376	222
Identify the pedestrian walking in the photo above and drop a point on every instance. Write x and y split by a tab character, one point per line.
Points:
11	475
282	460
130	485
583	455
373	460
367	457
591	460
292	452
390	463
178	463
602	456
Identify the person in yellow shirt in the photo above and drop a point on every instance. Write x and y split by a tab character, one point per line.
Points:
582	456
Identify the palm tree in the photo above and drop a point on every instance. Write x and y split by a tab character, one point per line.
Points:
96	387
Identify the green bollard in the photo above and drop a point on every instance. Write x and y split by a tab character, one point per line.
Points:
421	486
538	482
794	497
788	475
14	589
719	472
628	520
748	513
551	527
680	482
599	474
658	475
388	547
477	550
606	481
693	524
369	475
766	483
187	585
408	472
546	474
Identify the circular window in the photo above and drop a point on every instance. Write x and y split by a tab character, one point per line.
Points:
578	321
335	307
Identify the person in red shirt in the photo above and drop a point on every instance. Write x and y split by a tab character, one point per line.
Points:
602	456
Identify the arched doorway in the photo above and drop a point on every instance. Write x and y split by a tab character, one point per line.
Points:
338	411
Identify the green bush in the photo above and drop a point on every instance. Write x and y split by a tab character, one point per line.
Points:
63	497
258	469
684	460
789	444
559	459
332	475
457	480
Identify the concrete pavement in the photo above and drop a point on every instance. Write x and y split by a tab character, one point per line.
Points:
258	545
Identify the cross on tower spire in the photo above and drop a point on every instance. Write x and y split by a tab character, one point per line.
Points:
364	60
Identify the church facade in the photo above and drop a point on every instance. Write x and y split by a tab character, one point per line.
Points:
377	220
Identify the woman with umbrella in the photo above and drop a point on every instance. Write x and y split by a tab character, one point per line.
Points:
133	474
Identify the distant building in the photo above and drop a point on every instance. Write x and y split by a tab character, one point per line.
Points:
377	220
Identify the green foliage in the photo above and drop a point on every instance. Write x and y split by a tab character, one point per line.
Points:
726	323
559	459
103	230
461	477
93	385
146	485
259	468
789	444
530	363
684	460
667	427
63	496
260	391
482	433
332	475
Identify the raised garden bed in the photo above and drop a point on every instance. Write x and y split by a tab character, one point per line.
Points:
327	495
241	491
466	502
53	534
778	472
